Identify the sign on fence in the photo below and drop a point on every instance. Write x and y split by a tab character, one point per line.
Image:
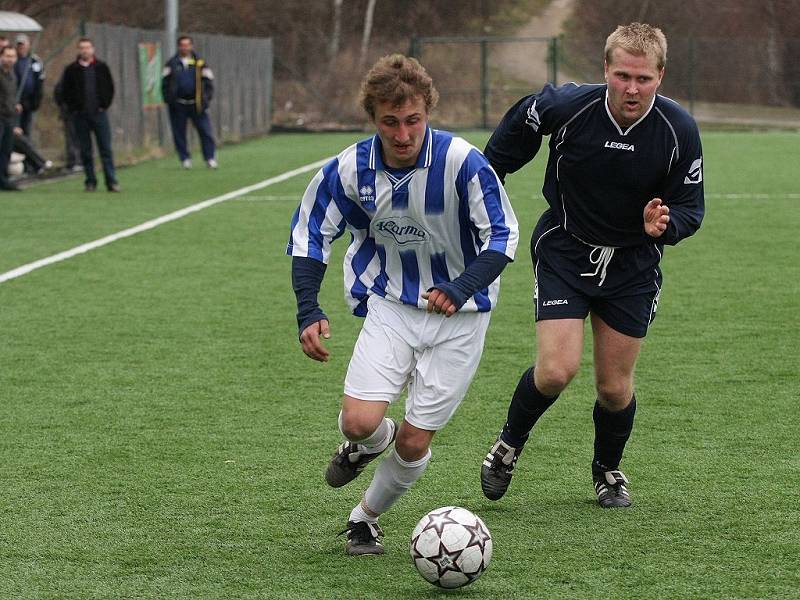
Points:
150	74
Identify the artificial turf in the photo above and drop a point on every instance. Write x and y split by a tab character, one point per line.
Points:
163	436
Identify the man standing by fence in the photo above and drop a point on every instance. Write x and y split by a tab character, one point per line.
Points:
187	86
88	90
30	81
9	111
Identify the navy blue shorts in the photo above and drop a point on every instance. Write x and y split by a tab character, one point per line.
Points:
620	285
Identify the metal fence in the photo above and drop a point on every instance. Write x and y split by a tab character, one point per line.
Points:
730	82
241	106
242	81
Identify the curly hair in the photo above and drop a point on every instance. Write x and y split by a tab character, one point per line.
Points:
397	78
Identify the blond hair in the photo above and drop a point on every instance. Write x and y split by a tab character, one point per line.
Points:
639	39
397	79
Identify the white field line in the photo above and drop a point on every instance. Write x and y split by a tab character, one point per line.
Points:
755	196
266	198
153	223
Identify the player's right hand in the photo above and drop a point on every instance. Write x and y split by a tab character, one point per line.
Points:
656	218
439	302
311	342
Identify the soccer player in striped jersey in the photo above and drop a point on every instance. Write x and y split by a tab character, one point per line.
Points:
624	178
431	230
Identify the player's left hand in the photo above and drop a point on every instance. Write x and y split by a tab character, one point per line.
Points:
656	218
439	302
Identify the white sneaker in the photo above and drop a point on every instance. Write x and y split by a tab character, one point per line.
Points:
187	164
212	163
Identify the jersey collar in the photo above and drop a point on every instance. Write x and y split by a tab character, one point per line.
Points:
424	159
639	120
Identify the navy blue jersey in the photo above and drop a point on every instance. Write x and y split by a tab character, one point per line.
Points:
600	177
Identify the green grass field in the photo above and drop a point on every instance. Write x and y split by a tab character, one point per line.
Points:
163	436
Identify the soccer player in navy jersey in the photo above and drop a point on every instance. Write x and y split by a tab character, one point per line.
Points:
623	179
431	229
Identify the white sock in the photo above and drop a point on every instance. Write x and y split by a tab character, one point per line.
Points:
359	514
378	440
393	477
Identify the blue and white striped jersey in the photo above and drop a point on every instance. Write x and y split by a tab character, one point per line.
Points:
411	229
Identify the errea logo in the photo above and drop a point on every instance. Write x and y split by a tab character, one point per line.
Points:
366	194
619	146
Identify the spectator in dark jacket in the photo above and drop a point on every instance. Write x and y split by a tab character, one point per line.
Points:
30	82
88	90
187	86
9	112
72	150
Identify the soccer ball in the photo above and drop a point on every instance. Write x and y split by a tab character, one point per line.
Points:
451	547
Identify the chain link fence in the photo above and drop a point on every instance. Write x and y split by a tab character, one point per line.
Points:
742	83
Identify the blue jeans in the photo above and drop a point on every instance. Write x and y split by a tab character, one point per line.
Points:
179	114
98	123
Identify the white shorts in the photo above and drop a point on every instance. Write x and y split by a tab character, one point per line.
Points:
436	357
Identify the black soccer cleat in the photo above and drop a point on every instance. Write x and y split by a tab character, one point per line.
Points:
611	489
349	460
363	538
498	468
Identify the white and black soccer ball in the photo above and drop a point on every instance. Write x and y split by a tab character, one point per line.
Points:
451	547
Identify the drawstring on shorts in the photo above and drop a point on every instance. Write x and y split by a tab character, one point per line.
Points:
600	256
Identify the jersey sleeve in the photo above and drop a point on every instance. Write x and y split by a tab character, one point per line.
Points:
318	221
683	192
518	137
487	205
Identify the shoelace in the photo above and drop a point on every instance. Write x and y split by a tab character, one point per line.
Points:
373	530
600	256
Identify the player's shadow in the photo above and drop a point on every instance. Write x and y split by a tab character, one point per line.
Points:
437	592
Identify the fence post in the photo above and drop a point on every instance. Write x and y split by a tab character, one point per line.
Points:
413	50
484	84
691	75
554	60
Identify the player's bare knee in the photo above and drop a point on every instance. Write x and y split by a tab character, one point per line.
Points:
551	378
614	395
412	444
355	426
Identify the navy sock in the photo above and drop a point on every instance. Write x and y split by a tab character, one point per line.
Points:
611	432
527	405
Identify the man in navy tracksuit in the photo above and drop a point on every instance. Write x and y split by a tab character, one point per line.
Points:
624	178
187	86
30	79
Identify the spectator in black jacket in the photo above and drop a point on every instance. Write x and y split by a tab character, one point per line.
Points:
88	90
9	112
30	80
72	151
187	86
